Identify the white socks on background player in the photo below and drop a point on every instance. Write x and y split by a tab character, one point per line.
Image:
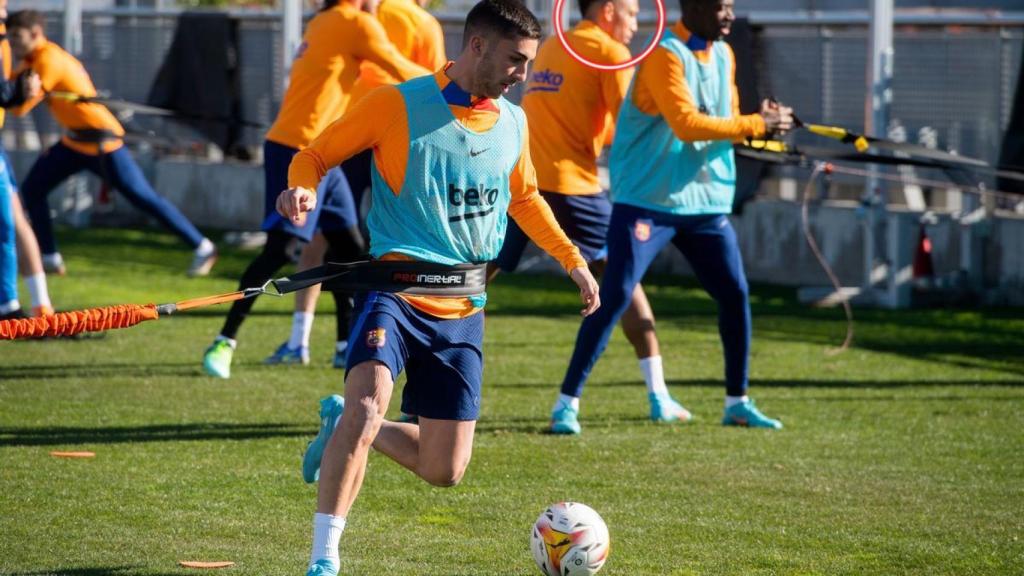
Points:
302	327
654	375
38	291
731	401
205	248
327	531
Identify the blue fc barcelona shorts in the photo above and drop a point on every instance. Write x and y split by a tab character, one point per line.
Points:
584	218
335	209
443	359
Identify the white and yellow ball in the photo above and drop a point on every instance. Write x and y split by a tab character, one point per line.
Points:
570	539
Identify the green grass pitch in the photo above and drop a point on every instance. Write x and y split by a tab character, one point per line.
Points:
901	456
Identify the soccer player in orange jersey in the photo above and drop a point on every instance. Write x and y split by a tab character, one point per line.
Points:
93	141
673	179
451	160
336	41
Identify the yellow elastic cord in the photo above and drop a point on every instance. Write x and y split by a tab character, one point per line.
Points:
767	145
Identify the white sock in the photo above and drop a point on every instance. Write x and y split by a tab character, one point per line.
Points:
54	260
566	400
205	248
38	290
231	341
12	306
340	346
654	375
302	327
731	401
327	531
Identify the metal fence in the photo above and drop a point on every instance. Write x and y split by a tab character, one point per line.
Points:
955	79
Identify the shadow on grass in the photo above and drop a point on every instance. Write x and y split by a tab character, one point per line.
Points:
97	571
93	370
65	436
781	383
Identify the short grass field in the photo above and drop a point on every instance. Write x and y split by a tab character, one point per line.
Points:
904	455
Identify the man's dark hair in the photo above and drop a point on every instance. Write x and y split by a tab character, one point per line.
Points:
684	3
586	4
328	4
507	18
26	19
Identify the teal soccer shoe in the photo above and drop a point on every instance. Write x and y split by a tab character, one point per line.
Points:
747	414
331	409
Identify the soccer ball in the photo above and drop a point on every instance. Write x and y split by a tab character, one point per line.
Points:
570	539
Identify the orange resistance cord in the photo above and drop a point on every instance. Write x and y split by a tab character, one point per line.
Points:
77	321
210	300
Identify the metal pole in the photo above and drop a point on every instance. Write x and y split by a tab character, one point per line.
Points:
291	33
876	119
73	26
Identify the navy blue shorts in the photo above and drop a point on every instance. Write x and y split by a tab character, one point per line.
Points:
335	209
443	359
584	218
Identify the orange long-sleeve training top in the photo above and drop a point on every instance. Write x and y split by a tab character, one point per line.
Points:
5	54
379	122
414	32
661	89
323	73
61	72
572	108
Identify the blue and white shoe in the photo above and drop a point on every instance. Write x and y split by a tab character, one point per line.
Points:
747	414
331	409
322	567
665	409
340	353
565	420
286	355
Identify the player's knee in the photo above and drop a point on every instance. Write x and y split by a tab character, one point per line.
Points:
444	476
362	420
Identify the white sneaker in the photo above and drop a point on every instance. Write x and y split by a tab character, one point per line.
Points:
54	264
203	259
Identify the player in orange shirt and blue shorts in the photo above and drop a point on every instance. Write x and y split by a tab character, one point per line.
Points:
93	141
336	41
451	161
673	178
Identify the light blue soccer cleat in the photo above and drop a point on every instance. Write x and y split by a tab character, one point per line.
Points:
286	355
322	567
565	420
331	409
665	409
217	359
747	414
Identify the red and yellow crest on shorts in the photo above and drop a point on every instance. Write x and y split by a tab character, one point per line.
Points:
642	230
375	338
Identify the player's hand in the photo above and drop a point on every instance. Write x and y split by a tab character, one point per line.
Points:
589	290
294	203
778	119
33	85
